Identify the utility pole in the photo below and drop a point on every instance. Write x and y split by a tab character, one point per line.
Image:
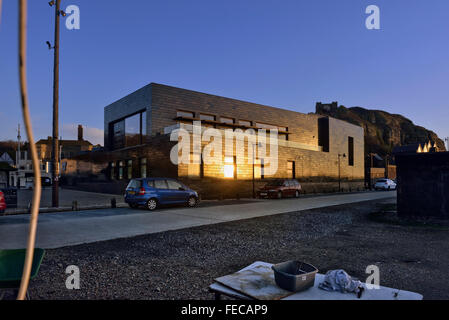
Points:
18	147
55	140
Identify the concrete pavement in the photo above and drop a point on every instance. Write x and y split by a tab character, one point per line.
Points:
72	228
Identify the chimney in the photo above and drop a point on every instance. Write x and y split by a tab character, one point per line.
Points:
80	133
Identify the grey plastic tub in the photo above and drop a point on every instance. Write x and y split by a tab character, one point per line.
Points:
294	276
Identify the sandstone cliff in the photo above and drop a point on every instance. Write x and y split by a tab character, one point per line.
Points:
383	131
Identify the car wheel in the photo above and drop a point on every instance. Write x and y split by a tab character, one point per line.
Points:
297	194
133	205
192	202
152	204
279	195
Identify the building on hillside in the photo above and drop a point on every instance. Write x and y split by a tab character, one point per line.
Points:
68	148
139	138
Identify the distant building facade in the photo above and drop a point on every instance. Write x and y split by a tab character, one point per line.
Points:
68	148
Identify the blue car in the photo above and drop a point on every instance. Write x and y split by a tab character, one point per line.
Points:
153	192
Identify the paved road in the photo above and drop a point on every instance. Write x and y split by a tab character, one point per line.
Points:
66	197
65	229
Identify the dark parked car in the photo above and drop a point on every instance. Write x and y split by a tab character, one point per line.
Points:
281	188
153	192
2	203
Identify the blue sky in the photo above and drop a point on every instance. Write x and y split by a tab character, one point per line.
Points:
288	54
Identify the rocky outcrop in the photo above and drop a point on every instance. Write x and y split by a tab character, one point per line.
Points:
383	130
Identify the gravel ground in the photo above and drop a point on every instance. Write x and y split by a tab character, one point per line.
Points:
182	264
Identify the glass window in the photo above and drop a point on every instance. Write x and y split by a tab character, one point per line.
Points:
150	183
185	114
207	117
143	167
174	185
121	169
194	166
130	169
245	123
227	120
265	126
112	170
351	151
118	139
160	184
291	169
229	167
144	124
134	184
132	130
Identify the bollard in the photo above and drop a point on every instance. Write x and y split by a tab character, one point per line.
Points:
113	203
75	205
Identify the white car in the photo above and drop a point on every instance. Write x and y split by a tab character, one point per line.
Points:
385	184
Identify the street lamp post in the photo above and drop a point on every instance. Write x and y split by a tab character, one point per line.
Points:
339	170
254	160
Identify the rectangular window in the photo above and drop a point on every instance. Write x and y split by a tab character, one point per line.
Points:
132	130
130	169
113	171
229	167
323	134
351	151
194	166
184	114
207	117
291	169
262	169
143	125
265	126
129	131
121	168
245	123
283	129
143	167
118	137
227	120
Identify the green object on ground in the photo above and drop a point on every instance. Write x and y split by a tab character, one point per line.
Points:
11	266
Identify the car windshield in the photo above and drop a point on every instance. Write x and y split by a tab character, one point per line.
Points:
275	183
382	181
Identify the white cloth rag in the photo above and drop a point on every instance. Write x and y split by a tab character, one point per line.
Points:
339	280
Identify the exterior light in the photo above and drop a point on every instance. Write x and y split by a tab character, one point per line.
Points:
51	3
62	13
